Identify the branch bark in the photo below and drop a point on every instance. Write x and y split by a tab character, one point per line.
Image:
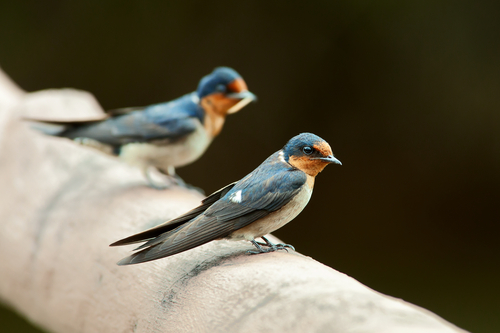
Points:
62	204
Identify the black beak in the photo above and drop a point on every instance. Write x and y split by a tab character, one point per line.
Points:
245	97
331	159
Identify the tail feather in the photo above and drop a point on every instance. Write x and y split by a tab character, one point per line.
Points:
57	127
177	242
48	128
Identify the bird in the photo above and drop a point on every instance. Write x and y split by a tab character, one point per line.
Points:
167	135
266	199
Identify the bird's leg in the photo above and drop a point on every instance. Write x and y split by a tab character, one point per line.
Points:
148	173
170	173
161	179
259	248
279	246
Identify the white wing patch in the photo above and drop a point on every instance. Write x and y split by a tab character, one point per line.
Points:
235	197
195	98
281	156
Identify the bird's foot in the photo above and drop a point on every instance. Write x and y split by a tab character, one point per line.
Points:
270	247
159	180
260	249
280	246
158	186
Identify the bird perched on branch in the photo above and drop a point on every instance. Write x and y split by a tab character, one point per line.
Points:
263	201
165	135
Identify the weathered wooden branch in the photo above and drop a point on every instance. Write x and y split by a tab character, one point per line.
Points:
62	204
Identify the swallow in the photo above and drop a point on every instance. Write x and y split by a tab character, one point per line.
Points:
166	135
266	199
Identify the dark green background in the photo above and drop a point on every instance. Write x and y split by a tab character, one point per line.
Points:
406	92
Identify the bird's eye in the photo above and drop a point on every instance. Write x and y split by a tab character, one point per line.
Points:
220	88
307	150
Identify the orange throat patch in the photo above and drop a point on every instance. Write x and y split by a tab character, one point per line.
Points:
310	167
216	107
213	124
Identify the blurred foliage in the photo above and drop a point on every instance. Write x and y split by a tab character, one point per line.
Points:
407	93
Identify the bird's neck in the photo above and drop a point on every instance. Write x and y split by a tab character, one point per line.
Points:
310	181
213	123
215	107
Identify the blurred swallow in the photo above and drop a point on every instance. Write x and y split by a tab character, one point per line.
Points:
165	135
263	201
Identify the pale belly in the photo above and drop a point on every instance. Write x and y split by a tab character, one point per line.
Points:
179	153
276	219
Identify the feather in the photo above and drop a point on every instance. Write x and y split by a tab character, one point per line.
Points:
174	223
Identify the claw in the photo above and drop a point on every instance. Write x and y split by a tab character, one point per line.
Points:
279	246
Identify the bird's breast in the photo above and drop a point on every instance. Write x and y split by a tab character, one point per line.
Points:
164	154
276	219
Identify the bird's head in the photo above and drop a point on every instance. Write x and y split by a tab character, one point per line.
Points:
224	92
309	153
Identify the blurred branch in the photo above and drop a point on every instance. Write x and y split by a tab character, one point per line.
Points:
62	204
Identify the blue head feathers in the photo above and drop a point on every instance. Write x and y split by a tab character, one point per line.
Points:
302	140
217	81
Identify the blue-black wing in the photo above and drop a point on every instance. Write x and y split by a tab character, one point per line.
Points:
134	127
166	121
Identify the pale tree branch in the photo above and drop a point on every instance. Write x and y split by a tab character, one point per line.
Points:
62	204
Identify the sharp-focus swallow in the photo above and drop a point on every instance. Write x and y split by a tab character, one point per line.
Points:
263	201
170	134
